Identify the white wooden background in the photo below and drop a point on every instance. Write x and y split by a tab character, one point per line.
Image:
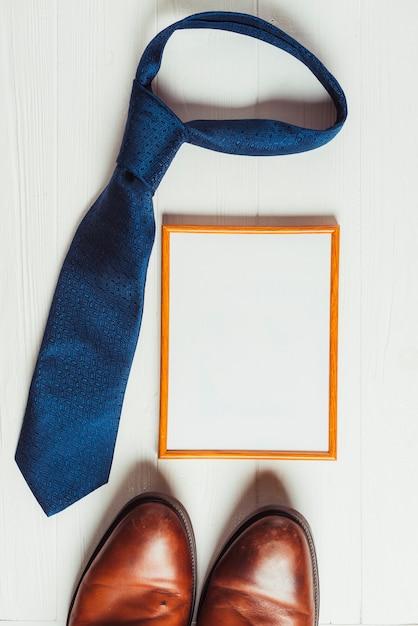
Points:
66	68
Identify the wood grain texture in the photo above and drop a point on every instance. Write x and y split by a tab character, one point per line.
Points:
28	187
390	332
67	69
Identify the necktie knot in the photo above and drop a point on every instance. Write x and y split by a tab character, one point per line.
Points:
152	137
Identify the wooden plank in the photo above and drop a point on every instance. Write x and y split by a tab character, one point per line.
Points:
27	186
389	328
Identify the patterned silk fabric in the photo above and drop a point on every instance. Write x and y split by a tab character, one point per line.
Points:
68	436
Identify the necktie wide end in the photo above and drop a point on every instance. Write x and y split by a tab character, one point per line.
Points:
51	496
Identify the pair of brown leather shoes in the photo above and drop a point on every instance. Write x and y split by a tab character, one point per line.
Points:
144	572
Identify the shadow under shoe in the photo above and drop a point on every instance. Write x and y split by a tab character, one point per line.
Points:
143	570
265	574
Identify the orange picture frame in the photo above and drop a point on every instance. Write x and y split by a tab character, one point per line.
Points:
266	296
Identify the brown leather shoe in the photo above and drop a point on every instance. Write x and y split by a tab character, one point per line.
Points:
143	570
265	575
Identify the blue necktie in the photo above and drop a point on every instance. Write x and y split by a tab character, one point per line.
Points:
69	431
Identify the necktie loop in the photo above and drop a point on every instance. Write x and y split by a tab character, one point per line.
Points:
250	137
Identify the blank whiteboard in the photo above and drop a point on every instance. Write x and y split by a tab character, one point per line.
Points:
249	341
